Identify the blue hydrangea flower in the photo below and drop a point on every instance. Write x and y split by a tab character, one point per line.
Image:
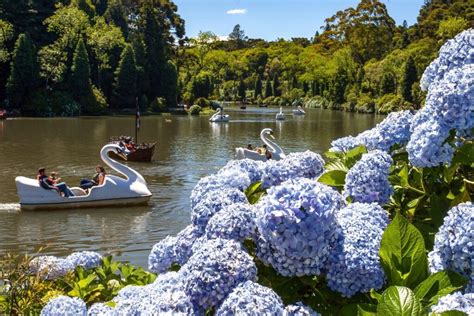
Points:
344	144
453	54
236	221
85	259
213	202
367	181
455	302
184	243
215	270
299	309
162	255
297	226
354	265
454	244
50	267
296	165
427	147
250	298
99	309
393	130
253	169
225	180
64	305
452	99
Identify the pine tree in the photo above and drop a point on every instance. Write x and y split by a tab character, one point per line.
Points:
388	84
409	78
80	83
125	86
258	87
276	87
268	88
24	75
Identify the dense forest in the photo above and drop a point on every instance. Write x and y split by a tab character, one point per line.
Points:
60	57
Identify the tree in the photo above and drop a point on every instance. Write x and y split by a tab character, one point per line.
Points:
276	87
409	77
80	83
258	87
201	86
388	84
86	6
24	74
241	90
125	85
450	27
237	36
116	14
268	88
339	86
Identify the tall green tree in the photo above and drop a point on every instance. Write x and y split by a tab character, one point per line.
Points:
80	82
237	36
258	87
268	88
125	84
339	85
276	87
409	78
116	13
388	84
241	90
24	75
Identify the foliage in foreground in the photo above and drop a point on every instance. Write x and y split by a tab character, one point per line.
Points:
23	292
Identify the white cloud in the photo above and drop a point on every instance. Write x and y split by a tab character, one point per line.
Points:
223	37
237	11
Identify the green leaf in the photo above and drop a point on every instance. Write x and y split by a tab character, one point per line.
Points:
336	165
399	301
437	285
439	208
403	175
254	192
464	155
354	155
334	178
403	254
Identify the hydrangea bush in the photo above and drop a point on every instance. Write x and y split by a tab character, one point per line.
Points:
321	236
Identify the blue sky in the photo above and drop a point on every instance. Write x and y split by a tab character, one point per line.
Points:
271	19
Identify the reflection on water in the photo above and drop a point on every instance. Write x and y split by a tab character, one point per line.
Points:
188	148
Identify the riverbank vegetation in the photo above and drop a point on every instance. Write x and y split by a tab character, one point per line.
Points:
91	56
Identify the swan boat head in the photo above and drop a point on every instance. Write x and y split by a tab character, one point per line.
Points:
265	134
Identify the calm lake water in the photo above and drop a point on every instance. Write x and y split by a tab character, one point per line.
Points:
188	148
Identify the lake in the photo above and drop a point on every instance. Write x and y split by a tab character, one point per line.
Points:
188	148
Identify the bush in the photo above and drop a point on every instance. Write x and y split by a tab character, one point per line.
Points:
268	100
365	104
316	102
158	105
94	103
391	102
203	102
54	103
195	110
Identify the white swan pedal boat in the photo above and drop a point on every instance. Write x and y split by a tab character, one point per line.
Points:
219	117
280	116
276	151
115	191
299	111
